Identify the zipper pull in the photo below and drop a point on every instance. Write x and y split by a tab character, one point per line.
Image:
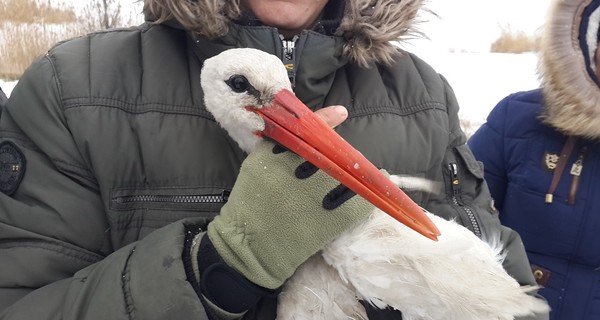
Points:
577	167
454	176
576	170
289	49
225	195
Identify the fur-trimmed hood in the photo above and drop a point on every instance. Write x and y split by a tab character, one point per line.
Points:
369	27
567	68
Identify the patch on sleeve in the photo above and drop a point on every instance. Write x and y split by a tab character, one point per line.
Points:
12	167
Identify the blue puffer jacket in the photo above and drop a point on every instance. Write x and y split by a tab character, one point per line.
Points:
519	153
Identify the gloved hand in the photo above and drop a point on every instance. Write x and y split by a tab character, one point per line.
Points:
281	211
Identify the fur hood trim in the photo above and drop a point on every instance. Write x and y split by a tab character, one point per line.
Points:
571	93
370	27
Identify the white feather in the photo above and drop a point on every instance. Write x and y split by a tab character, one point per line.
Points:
409	183
312	291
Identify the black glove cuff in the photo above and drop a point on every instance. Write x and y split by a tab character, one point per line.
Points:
224	286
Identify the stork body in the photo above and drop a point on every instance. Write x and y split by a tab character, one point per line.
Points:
381	261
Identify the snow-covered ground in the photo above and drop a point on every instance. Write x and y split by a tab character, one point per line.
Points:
480	80
7	86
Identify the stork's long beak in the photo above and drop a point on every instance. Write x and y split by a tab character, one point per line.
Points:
289	122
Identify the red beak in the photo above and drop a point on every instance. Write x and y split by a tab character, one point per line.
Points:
289	122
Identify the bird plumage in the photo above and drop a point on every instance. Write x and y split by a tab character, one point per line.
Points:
387	264
381	261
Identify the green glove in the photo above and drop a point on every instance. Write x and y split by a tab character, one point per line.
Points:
274	220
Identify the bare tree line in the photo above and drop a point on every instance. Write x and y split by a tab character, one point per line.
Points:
28	28
106	14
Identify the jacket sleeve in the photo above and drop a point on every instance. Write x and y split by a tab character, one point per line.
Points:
55	256
487	144
467	198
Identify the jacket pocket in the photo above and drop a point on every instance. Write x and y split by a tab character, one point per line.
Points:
474	166
135	212
198	199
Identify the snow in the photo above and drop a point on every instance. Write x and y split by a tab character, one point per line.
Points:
472	25
7	86
481	80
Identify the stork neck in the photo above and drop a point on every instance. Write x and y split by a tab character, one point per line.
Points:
288	56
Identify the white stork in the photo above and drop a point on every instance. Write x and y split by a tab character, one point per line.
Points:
381	261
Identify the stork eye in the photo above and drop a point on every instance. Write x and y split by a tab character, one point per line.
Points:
238	83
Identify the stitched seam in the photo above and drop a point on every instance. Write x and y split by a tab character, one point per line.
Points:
19	137
79	102
56	78
401	112
159	188
186	111
26	142
60	164
69	251
143	221
78	168
125	278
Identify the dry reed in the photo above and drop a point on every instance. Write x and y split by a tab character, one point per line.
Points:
31	11
28	28
514	42
25	42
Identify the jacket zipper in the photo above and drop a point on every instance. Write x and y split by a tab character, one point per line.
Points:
288	57
185	199
458	203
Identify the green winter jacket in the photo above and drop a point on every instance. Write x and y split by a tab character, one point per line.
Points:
110	159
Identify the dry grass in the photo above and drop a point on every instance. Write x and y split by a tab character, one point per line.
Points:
28	28
28	41
514	42
469	126
31	11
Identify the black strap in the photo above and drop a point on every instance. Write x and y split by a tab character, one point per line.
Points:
224	286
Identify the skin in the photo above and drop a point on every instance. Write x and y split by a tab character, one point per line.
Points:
289	16
333	115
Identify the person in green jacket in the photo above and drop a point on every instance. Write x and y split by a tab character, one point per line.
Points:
113	170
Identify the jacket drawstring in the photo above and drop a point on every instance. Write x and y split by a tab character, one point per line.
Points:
560	166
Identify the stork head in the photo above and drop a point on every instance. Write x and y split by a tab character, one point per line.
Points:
237	81
249	94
